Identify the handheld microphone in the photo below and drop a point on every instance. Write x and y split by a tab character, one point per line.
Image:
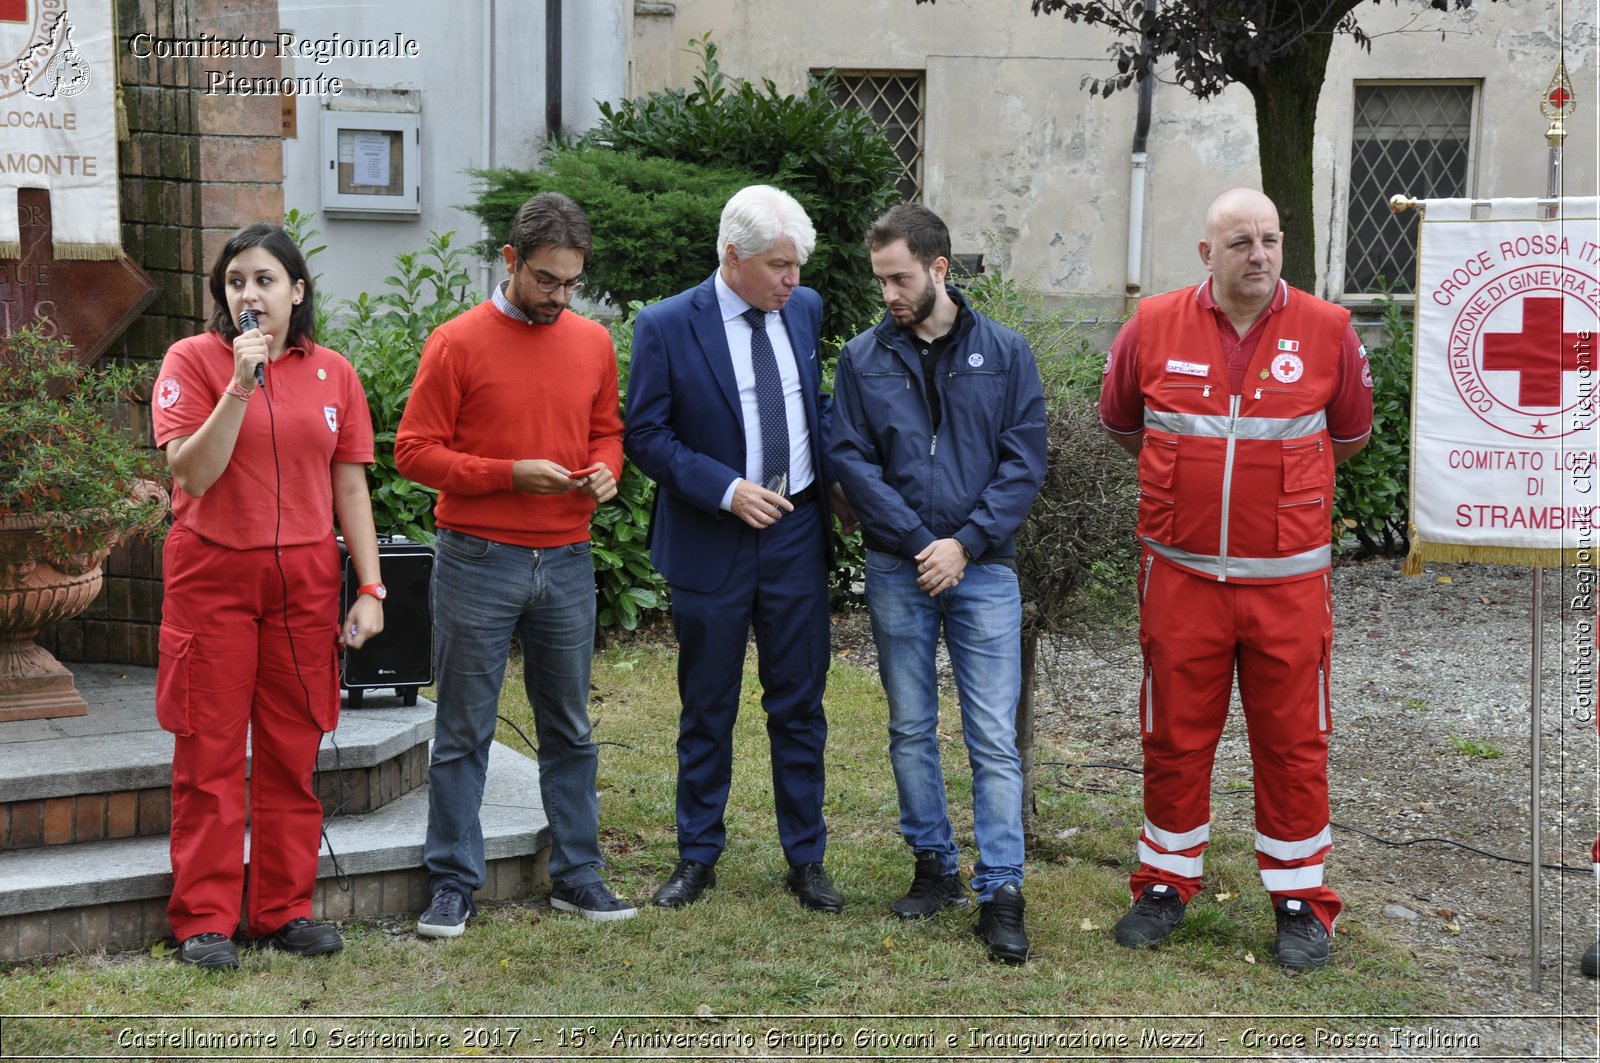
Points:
247	321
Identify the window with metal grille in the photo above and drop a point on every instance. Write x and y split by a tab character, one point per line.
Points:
894	101
1414	139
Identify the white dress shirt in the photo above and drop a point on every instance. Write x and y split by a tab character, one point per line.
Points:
739	332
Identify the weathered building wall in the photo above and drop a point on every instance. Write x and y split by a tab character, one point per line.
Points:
1034	171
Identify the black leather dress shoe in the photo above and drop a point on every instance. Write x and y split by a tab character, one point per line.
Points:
304	938
810	883
684	886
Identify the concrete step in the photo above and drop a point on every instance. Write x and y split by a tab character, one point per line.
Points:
108	774
92	870
113	894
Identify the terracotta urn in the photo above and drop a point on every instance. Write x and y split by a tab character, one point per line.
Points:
36	591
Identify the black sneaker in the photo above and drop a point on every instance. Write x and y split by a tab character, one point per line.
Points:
304	938
1156	912
1302	942
931	891
593	901
447	916
1000	924
211	952
1590	964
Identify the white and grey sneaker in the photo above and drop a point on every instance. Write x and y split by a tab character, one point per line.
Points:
593	900
447	916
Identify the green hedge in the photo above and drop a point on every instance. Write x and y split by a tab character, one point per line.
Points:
1373	499
654	220
834	160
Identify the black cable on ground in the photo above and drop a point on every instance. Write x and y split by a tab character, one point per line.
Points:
1393	843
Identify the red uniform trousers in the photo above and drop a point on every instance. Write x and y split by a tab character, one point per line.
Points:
1195	631
228	666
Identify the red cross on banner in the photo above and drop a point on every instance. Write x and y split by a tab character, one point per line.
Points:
1541	352
1559	97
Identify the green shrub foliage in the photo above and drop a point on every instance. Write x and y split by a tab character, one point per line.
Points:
1373	500
630	587
834	160
1076	553
654	220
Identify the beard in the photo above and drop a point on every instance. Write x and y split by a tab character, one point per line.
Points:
921	307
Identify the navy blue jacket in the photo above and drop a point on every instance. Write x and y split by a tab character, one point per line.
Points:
977	478
685	429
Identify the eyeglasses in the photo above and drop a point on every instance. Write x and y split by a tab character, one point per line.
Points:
549	285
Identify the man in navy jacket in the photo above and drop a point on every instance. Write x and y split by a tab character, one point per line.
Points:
939	443
726	413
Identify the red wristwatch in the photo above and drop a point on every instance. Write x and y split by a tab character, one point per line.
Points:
377	590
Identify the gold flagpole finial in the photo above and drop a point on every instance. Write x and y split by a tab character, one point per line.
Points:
1558	104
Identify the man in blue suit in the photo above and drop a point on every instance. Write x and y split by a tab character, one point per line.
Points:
725	412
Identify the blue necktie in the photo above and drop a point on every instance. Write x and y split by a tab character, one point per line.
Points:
769	403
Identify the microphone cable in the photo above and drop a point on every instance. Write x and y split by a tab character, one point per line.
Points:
247	321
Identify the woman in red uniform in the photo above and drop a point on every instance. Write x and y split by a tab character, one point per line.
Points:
249	640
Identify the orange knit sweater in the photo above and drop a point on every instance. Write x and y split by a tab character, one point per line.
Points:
491	391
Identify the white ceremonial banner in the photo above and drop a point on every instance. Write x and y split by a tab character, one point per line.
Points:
58	128
1503	427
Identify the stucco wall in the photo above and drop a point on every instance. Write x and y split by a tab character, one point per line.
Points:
465	90
1029	168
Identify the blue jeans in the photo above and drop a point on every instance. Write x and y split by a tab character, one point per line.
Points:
482	593
982	621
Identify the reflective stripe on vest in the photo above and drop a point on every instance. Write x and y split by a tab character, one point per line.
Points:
1218	426
1246	567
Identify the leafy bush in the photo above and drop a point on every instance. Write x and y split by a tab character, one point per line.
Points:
1076	553
630	587
847	582
654	220
69	467
383	335
834	160
1373	498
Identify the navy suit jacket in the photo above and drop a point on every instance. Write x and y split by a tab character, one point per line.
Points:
685	429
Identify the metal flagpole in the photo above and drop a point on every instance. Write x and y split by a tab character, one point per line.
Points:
1557	105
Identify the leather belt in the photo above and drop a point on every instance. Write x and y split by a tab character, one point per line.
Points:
806	494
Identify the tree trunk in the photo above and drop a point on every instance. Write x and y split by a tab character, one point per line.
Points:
1286	92
1030	655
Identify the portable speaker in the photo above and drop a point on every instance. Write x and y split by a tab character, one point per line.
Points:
401	658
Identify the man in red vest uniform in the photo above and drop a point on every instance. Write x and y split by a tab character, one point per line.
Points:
1238	397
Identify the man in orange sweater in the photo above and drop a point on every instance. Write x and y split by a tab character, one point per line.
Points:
514	418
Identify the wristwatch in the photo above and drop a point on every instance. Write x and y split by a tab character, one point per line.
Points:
377	590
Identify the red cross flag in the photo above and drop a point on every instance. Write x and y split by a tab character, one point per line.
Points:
1506	384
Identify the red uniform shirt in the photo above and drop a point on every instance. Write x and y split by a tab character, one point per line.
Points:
1349	413
319	416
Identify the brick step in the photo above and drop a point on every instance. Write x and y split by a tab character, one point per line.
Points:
107	775
113	894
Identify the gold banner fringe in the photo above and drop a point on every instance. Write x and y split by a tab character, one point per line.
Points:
1421	552
11	249
88	252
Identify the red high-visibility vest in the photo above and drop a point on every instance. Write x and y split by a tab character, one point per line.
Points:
1238	488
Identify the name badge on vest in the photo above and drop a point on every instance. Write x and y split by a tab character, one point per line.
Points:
1188	368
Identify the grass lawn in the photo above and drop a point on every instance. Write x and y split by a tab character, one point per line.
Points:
746	972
